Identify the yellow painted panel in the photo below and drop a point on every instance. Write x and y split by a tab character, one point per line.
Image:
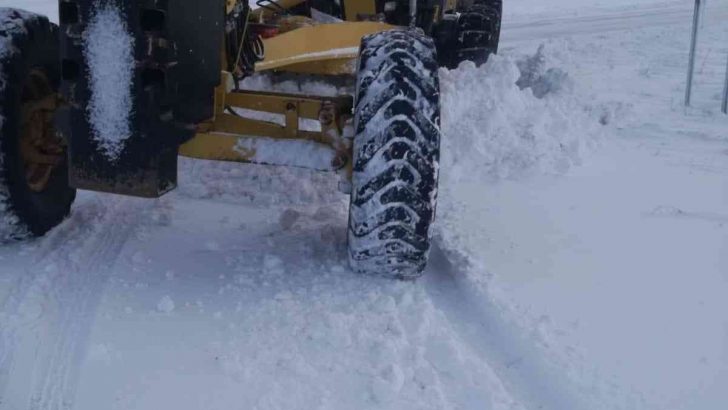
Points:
342	66
325	42
214	147
354	8
276	103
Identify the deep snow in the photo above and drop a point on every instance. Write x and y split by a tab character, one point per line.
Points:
579	260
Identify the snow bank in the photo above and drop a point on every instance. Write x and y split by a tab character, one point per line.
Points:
109	50
513	116
517	116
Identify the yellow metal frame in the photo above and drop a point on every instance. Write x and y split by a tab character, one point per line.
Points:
359	8
323	49
328	49
217	138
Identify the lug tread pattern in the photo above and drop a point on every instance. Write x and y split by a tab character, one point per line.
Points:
396	154
475	35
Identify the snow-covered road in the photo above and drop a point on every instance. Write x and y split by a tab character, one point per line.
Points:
529	27
580	262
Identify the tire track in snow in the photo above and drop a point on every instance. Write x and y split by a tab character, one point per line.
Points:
70	233
82	291
507	348
60	295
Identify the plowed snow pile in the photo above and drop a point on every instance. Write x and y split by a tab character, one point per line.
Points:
514	115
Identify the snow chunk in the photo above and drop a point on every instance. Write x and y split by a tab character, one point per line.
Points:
165	305
109	47
536	75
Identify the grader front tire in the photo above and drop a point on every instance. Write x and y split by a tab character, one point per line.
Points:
396	154
34	192
472	34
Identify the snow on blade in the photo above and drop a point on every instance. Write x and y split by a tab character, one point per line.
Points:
109	51
305	154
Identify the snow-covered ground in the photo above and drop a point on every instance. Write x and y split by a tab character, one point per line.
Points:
580	260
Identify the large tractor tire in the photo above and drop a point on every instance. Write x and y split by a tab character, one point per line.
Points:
472	34
34	191
396	154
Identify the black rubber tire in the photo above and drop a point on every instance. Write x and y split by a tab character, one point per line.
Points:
472	35
30	43
396	154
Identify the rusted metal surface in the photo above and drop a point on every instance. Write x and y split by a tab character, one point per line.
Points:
41	148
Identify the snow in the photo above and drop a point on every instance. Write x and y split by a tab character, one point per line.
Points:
166	304
531	8
579	260
519	121
44	7
109	49
292	83
271	151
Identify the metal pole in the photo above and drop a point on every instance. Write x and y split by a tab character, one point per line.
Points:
413	13
724	107
691	63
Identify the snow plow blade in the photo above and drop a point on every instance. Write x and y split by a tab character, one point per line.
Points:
137	76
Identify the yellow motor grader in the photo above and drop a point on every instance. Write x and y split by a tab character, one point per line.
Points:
111	96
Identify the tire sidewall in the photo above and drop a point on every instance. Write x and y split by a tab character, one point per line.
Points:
36	212
381	242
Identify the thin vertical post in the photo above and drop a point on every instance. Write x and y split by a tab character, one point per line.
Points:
413	13
724	107
693	44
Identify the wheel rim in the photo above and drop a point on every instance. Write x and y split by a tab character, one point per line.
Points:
41	147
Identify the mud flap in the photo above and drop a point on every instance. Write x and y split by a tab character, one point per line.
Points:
174	51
